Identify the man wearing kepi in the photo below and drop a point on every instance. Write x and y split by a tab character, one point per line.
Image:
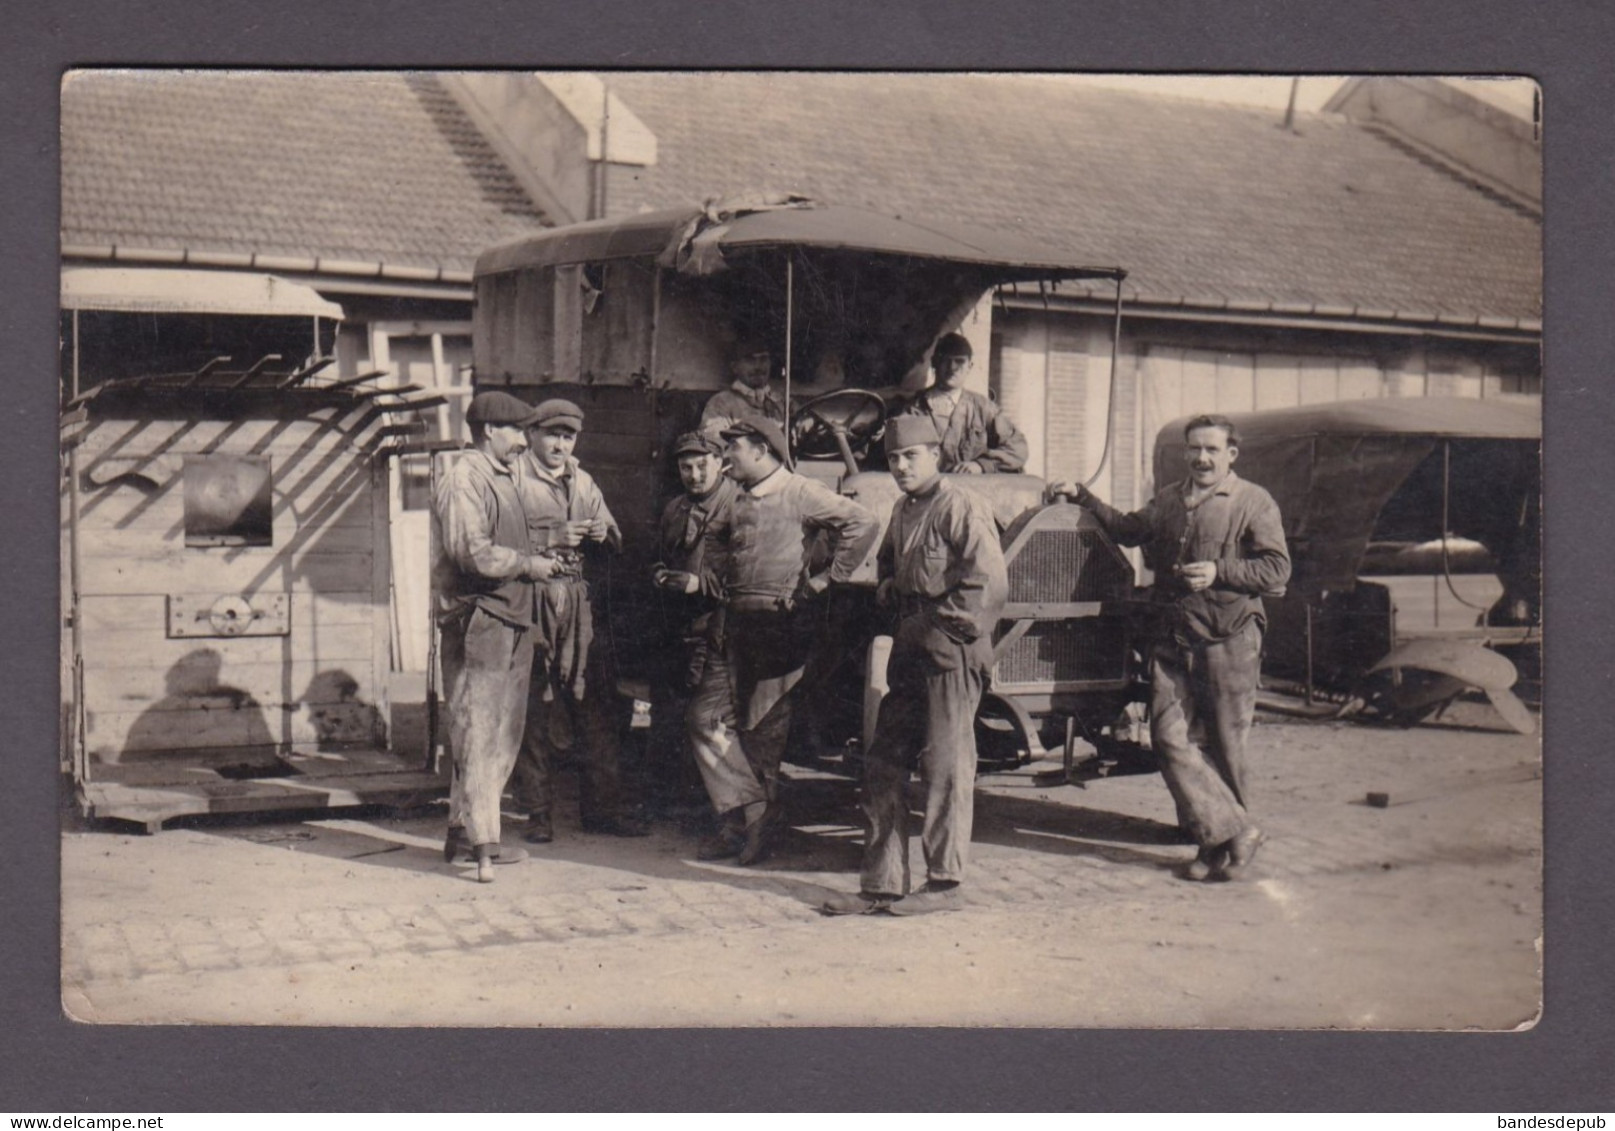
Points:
740	717
941	565
977	437
1216	545
567	516
483	575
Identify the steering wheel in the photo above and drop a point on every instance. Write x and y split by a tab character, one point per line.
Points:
839	423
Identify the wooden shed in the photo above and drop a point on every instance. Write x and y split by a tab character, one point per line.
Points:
227	615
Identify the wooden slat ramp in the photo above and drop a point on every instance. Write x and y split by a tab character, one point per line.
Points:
153	792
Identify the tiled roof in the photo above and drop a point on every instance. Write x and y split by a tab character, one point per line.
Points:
1206	204
362	168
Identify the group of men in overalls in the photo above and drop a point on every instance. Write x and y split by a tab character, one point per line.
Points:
749	550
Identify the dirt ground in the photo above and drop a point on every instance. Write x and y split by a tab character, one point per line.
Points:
1425	914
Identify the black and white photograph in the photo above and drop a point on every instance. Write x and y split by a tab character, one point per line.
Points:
644	549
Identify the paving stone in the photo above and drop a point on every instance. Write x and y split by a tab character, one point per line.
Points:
1315	833
370	920
345	948
205	956
297	950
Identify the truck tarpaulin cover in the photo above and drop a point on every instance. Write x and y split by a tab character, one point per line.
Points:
878	289
700	241
1332	467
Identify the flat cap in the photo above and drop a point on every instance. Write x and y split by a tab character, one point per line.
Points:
557	411
762	428
908	430
747	344
495	407
697	443
952	345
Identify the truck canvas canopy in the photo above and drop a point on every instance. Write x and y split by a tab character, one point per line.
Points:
1414	526
850	292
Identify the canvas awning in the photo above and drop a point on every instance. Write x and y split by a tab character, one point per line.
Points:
160	290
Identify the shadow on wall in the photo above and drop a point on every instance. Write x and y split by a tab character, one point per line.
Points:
341	720
197	712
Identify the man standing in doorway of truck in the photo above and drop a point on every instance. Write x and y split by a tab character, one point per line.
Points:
977	437
1216	545
752	390
941	566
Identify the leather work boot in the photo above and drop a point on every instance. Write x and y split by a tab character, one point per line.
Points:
1241	851
1207	861
933	896
857	903
760	834
722	845
501	854
453	843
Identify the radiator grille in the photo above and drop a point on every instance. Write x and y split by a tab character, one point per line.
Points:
1067	565
1065	651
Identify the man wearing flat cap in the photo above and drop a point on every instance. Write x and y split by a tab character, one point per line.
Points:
977	437
751	392
741	715
940	564
482	574
573	686
695	530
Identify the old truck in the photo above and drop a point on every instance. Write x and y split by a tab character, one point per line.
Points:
634	319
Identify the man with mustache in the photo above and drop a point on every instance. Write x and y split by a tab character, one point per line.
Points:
567	516
1216	545
751	392
483	576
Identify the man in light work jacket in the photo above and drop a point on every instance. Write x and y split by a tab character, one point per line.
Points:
568	516
483	575
740	716
977	437
943	568
1216	545
752	391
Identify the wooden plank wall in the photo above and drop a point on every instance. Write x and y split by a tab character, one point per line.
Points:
1177	381
146	692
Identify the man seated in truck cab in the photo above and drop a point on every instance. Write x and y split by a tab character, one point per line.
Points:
977	436
752	392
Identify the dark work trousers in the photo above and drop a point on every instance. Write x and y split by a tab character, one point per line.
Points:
487	666
1202	702
929	718
557	718
738	766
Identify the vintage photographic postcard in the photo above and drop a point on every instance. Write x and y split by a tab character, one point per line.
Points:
799	549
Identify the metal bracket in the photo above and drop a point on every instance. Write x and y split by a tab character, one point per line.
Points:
228	614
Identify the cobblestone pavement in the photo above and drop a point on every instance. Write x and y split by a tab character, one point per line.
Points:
212	899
